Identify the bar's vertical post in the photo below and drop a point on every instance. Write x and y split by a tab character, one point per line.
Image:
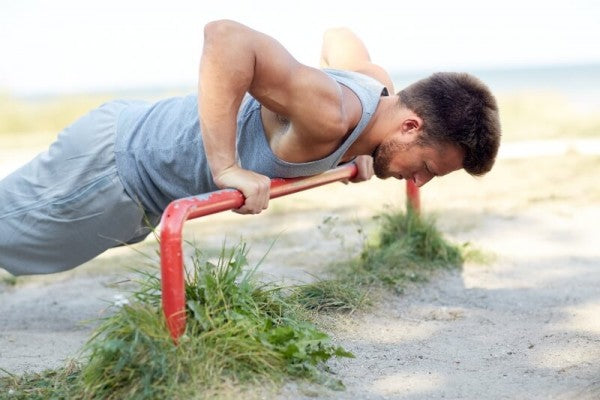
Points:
413	197
172	272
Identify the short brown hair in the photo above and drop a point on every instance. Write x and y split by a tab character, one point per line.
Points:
457	108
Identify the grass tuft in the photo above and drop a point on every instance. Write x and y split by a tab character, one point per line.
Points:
339	295
49	384
477	255
407	248
9	280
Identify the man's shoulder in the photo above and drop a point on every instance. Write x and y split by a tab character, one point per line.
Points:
369	75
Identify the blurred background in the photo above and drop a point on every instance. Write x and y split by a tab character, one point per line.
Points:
62	57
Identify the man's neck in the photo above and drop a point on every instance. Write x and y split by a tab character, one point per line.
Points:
383	122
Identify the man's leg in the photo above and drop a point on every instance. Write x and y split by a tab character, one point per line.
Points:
68	204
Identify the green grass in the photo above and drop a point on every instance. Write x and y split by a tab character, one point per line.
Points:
406	249
239	333
338	294
476	255
9	280
57	384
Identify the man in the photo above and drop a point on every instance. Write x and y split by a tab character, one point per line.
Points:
259	113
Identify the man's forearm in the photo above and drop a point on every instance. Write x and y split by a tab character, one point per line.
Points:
236	60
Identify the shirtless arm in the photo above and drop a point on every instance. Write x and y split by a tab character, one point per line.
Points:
342	49
237	59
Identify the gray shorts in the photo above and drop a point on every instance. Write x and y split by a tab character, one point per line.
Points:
68	204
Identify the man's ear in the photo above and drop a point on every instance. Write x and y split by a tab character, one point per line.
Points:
412	124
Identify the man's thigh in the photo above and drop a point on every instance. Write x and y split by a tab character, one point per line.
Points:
68	204
62	233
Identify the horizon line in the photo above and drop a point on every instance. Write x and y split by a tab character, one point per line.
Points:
158	89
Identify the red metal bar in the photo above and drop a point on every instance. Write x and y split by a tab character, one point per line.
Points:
179	211
413	198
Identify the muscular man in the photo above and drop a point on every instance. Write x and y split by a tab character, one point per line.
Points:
258	113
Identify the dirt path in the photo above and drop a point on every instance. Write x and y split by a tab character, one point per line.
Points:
526	326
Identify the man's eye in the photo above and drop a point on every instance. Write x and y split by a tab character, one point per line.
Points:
429	171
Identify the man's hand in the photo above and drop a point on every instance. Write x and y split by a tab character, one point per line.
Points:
364	164
255	188
365	169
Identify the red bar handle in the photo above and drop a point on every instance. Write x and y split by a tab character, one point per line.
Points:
181	210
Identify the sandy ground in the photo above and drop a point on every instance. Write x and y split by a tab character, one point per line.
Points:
525	326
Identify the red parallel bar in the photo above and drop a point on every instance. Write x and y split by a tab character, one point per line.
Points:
413	197
179	211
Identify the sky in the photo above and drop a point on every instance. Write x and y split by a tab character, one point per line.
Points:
67	46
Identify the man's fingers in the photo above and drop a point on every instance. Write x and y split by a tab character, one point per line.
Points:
257	195
364	164
255	188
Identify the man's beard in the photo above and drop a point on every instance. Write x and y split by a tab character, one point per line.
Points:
383	155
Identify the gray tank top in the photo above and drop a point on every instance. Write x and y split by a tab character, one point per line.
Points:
160	156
